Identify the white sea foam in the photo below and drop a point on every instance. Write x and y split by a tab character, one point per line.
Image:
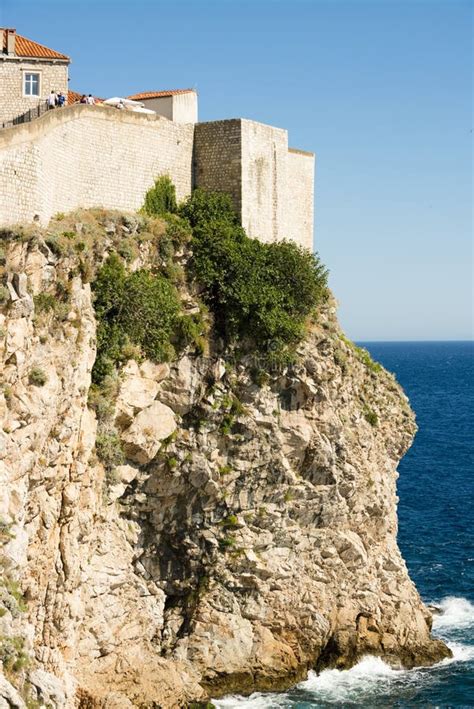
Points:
255	701
365	679
456	614
372	677
461	653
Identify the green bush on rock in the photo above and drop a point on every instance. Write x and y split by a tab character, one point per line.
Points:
161	198
258	292
141	308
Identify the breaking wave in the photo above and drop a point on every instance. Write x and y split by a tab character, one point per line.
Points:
372	682
456	614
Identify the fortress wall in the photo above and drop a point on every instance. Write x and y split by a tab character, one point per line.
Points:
271	186
300	197
264	179
86	156
218	158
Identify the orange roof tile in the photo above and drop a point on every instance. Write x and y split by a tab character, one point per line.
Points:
159	94
75	97
25	47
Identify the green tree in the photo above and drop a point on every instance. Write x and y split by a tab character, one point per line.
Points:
161	198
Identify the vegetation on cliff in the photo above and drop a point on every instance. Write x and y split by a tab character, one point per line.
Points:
260	294
142	308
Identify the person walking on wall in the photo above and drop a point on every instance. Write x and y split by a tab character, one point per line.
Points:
91	100
52	99
61	99
83	99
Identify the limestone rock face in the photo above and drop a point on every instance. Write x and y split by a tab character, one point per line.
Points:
259	541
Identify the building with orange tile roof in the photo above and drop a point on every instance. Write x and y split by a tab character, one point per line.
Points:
29	71
179	105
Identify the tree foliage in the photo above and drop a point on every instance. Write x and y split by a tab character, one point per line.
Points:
161	198
141	308
259	293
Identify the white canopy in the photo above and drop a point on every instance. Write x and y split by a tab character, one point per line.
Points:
126	102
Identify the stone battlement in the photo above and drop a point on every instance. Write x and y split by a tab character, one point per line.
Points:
87	156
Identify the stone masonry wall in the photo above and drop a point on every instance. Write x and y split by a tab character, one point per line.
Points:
272	187
218	158
86	156
300	197
12	101
264	170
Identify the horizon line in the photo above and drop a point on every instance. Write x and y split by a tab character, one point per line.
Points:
418	341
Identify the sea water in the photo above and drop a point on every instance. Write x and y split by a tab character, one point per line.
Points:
436	516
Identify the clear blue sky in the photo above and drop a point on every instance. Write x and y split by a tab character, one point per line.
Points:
381	91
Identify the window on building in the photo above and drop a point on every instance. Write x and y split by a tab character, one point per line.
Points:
31	84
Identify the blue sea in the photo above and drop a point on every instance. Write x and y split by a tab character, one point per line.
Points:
436	516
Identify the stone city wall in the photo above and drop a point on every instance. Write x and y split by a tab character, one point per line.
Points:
87	156
12	101
300	197
271	186
218	158
264	172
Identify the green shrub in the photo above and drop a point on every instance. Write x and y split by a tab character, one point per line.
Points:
259	292
14	590
55	244
340	359
44	302
192	331
37	377
127	248
102	398
139	308
109	449
161	198
371	417
203	207
177	229
4	294
227	542
259	376
12	653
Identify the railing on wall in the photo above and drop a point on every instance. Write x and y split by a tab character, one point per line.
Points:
26	117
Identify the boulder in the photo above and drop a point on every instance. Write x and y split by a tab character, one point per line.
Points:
142	439
136	393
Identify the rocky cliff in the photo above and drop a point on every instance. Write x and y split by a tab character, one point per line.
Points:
246	532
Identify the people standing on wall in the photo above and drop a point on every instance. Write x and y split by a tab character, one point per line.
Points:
91	100
61	99
52	100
